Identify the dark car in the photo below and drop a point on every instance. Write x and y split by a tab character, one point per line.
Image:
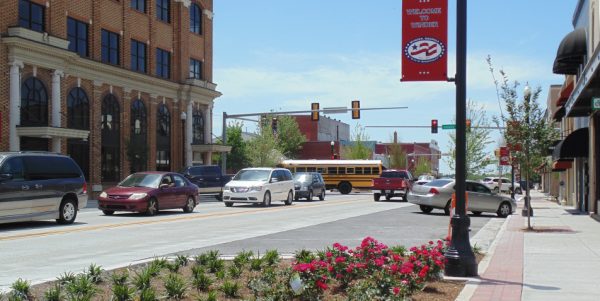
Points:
148	192
38	186
208	178
309	184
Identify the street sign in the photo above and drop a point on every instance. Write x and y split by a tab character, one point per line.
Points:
595	103
335	110
448	126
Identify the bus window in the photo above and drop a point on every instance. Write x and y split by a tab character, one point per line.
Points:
358	170
367	171
311	169
300	169
342	170
350	170
321	170
375	171
332	170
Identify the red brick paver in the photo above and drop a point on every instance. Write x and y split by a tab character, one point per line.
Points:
503	279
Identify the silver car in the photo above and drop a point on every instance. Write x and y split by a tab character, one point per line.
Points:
437	194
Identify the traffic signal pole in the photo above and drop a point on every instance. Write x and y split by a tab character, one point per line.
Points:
460	257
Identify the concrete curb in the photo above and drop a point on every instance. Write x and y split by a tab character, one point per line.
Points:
472	282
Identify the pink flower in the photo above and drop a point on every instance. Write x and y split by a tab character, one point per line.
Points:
407	268
329	254
396	290
340	259
424	271
321	284
379	262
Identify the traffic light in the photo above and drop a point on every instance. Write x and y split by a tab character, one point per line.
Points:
356	109
434	126
274	125
468	125
314	116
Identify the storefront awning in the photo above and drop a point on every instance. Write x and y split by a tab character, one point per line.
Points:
49	132
559	114
565	91
561	165
570	53
575	145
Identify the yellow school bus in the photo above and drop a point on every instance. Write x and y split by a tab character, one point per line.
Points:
341	174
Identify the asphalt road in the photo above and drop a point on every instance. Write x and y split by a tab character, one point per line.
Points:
40	251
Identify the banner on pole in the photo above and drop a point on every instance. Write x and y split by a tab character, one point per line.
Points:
424	40
504	156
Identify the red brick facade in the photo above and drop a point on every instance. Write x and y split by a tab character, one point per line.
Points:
99	80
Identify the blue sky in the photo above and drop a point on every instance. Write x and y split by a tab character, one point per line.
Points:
283	55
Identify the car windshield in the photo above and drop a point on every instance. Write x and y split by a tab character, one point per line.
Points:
439	183
301	177
425	178
252	175
141	180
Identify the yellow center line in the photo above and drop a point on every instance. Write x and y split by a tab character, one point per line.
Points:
164	220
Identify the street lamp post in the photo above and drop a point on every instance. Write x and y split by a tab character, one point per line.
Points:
183	117
332	150
527	211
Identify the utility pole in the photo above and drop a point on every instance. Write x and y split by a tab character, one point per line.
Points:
460	257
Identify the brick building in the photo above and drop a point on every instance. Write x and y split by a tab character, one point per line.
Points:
414	152
119	85
320	134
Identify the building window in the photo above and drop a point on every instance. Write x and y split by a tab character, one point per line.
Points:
195	19
137	149
78	110
163	10
77	34
163	63
110	47
139	5
111	131
138	56
195	69
163	139
34	103
31	15
198	127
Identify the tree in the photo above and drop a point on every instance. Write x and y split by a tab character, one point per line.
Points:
423	167
478	138
289	137
358	150
237	158
262	150
397	156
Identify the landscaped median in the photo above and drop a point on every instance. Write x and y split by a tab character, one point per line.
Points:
370	271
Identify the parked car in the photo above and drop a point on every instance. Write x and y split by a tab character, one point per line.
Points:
149	192
39	186
492	183
208	178
392	183
259	186
309	184
437	194
424	179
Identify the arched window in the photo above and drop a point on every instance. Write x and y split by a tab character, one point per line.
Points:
34	103
163	138
198	126
78	110
111	134
195	19
137	150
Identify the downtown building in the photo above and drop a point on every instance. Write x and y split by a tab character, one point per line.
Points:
120	86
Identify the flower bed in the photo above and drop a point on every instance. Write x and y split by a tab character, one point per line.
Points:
370	271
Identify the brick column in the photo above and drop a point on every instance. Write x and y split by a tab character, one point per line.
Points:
95	139
125	131
152	105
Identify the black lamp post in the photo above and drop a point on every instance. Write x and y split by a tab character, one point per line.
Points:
527	211
332	150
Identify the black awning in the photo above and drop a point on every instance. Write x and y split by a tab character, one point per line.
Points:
575	145
559	114
571	52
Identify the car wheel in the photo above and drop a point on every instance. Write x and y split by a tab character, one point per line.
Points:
67	212
476	213
345	188
290	197
310	196
504	210
426	209
267	199
322	195
152	208
296	197
497	190
447	208
189	205
405	197
108	212
388	197
376	197
228	204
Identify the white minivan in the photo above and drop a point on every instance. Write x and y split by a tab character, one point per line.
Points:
259	186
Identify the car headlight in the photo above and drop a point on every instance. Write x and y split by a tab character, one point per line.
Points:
103	195
226	188
137	196
304	188
256	188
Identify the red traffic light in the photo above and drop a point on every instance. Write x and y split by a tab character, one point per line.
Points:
434	126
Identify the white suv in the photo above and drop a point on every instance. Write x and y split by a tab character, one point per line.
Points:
492	183
259	185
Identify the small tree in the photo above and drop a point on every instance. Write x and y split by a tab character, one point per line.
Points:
397	156
262	150
238	157
289	137
478	138
423	167
358	150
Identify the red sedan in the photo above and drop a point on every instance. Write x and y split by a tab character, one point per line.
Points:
148	192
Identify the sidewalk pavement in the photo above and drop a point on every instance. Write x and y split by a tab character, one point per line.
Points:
558	260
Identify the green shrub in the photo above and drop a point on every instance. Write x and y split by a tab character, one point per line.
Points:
65	278
256	263
201	281
400	250
95	273
230	289
213	254
271	257
54	293
175	286
147	294
242	258
21	290
155	266
119	278
220	274
198	269
173	267
122	292
215	265
142	279
212	296
234	271
81	289
202	259
182	260
304	256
